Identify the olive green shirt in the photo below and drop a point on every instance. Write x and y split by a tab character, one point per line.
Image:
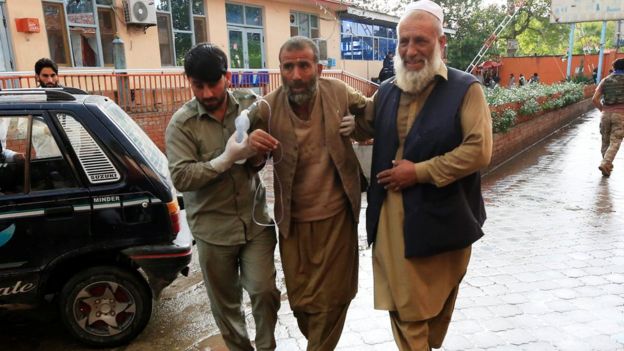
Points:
218	206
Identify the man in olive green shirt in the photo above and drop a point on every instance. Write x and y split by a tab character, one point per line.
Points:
225	212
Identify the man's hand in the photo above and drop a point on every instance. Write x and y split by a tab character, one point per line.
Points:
233	152
262	142
400	176
347	125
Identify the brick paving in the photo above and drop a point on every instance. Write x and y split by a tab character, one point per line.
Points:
549	273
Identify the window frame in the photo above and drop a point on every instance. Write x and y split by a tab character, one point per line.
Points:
67	44
114	18
245	30
364	32
310	28
173	31
98	35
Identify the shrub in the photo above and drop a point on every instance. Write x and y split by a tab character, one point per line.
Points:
503	121
530	107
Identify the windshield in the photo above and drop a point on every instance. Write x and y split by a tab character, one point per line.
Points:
138	138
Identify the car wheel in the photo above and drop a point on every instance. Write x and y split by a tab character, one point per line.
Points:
105	306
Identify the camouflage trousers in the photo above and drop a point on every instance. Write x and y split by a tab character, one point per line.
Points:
612	131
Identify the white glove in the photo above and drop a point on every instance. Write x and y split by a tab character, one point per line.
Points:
347	125
233	152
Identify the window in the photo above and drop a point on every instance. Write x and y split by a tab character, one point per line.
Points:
304	24
181	24
54	17
106	19
246	38
361	41
76	36
47	170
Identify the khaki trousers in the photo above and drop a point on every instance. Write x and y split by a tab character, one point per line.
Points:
229	269
426	334
612	132
320	261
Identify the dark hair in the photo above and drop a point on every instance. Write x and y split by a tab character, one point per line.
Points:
618	64
300	43
43	63
206	62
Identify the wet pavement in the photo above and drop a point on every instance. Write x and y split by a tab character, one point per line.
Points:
548	275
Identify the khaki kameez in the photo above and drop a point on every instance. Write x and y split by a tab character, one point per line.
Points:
420	292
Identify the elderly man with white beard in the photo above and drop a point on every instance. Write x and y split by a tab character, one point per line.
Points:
433	133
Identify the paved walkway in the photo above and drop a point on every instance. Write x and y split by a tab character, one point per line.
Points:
548	275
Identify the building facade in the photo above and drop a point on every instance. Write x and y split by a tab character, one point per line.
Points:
79	34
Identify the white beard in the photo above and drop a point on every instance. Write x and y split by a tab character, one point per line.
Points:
415	81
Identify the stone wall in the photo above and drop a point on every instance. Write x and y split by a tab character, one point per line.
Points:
526	134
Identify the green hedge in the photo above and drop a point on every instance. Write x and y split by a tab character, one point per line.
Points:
526	99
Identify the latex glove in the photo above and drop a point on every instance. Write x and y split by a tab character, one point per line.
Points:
233	152
347	125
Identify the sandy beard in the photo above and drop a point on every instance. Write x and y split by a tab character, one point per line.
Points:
415	81
303	97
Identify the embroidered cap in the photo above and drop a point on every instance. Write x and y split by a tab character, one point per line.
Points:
429	6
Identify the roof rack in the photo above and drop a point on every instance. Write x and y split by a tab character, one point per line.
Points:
36	94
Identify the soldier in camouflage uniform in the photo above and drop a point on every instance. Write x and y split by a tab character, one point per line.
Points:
609	98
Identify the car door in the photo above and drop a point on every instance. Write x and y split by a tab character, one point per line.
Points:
44	210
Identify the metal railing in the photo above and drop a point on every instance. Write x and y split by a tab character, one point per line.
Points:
153	91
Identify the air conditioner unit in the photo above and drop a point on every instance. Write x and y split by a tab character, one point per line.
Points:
322	46
142	12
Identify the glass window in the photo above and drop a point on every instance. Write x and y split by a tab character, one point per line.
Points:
84	46
200	29
371	42
162	5
183	43
304	24
180	11
234	13
138	137
164	39
198	7
104	2
48	169
56	30
80	12
106	20
236	49
346	47
179	29
13	148
367	48
253	16
382	49
346	27
313	21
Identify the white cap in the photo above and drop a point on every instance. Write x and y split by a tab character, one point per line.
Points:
427	5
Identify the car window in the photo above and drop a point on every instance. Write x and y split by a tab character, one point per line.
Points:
44	145
96	165
28	140
140	140
13	147
48	169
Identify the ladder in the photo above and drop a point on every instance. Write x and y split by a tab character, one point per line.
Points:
492	38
